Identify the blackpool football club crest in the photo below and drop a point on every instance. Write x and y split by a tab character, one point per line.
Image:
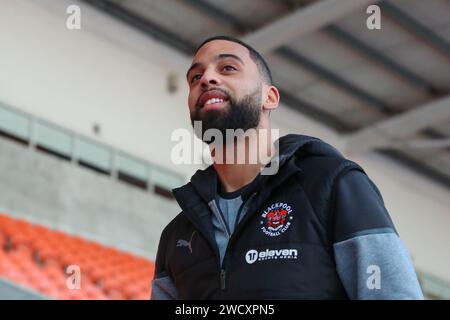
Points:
276	219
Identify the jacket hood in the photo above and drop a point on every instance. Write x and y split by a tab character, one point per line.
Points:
204	182
302	145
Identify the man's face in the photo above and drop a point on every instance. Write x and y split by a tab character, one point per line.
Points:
225	88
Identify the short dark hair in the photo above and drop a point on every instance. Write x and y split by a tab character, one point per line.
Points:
254	55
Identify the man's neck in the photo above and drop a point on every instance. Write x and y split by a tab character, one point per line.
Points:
235	174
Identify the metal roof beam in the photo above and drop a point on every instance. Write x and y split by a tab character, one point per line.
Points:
416	27
220	14
350	41
137	21
301	22
335	80
393	130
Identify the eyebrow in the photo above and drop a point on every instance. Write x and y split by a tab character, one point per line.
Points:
218	57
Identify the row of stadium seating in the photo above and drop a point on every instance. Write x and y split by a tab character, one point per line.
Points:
38	258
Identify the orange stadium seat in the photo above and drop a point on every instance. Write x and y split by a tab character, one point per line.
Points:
36	257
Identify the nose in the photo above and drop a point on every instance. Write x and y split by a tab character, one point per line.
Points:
209	78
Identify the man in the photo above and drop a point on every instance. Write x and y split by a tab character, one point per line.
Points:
316	228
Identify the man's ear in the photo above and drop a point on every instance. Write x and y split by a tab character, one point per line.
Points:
273	98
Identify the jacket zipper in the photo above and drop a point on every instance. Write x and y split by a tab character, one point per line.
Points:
223	272
222	279
215	209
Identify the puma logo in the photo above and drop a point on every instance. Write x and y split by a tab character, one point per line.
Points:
184	243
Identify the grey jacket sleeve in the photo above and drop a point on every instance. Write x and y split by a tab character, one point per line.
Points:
163	288
371	260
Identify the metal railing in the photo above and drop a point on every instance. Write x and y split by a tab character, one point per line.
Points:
68	145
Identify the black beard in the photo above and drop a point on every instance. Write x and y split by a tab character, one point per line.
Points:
244	114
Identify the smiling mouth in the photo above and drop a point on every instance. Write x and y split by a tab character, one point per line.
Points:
214	103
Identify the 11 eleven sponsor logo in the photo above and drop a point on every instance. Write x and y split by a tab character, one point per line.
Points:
253	255
276	219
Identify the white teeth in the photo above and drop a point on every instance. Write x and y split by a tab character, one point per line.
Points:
213	100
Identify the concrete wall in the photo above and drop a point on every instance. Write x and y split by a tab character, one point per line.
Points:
53	192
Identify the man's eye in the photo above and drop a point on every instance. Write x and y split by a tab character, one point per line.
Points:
229	68
195	77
